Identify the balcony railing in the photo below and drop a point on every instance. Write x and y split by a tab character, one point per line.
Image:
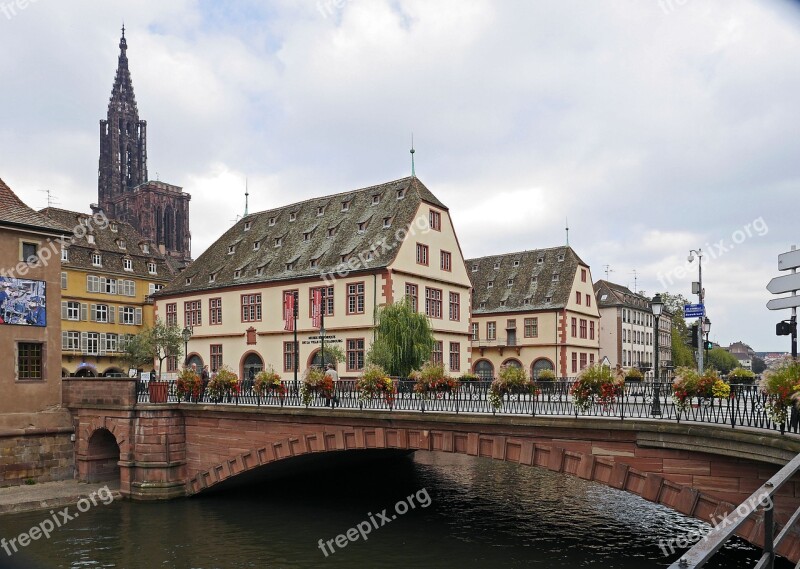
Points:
497	342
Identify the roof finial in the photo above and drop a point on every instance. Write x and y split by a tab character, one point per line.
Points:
413	173
567	229
123	28
246	197
123	44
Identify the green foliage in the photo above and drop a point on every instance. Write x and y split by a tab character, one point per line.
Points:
596	383
225	382
721	360
403	339
374	382
682	354
759	365
634	374
510	379
782	386
546	375
156	343
268	381
189	384
333	354
741	375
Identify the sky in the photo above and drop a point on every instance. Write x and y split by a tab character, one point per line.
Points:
650	127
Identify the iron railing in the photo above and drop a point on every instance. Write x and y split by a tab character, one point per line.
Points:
646	400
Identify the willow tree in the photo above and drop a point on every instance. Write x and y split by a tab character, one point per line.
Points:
403	339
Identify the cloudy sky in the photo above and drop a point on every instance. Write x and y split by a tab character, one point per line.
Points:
654	126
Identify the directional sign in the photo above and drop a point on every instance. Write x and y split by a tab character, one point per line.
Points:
781	303
786	283
790	260
694	311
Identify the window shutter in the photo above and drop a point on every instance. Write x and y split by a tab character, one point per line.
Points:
101	349
110	314
64	310
138	317
93	313
84	342
88	283
84	312
64	339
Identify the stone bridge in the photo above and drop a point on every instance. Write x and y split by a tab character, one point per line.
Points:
170	450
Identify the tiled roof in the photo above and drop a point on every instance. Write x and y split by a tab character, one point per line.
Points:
308	238
107	242
611	294
529	280
14	211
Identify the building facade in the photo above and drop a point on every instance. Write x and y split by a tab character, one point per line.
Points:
361	249
627	329
533	309
159	211
108	272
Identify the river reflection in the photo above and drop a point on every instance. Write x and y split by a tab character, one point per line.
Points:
482	513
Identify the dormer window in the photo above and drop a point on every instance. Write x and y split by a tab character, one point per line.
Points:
188	280
290	266
314	263
555	277
271	221
534	280
560	258
65	255
321	211
151	268
502	303
237	273
90	239
211	278
145	248
370	256
307	236
540	260
510	282
113	226
497	265
362	227
256	245
490	284
474	268
331	232
259	271
401	194
121	243
346	205
127	264
527	301
247	225
344	258
278	241
97	259
482	305
516	263
231	249
292	216
387	222
548	299
376	199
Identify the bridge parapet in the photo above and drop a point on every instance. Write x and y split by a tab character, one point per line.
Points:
79	392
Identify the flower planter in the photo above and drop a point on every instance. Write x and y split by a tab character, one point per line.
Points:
158	391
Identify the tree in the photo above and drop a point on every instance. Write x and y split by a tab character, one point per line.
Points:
759	365
403	339
721	360
682	354
156	343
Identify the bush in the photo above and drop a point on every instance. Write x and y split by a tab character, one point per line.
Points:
689	383
782	388
596	384
634	374
741	375
374	381
188	384
546	375
510	379
432	378
268	380
225	382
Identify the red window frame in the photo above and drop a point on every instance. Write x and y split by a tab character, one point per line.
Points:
437	356
583	275
327	305
476	331
412	293
455	356
251	307
193	313
491	330
583	328
446	261
583	360
591	329
531	327
288	356
215	310
577	297
433	302
216	356
455	306
435	220
172	314
355	354
422	254
588	299
574	327
355	298
574	362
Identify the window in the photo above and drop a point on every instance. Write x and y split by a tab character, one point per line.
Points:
435	219
192	313
497	266
355	354
63	279
100	313
188	280
560	258
583	275
288	356
445	261
256	245
588	300
526	301
127	264
321	211
491	331
455	306
90	343
355	298
591	330
362	227
583	360
327	300
490	284
278	241
172	314
70	310
540	260
574	327
172	363
29	253
574	362
271	221
307	235
387	222
376	199
482	305
583	328
216	356
331	232
109	286
247	225
510	283
475	331
70	341
292	216
591	359
154	288
113	226
145	248
555	277
151	268
422	254
313	264
215	311
111	343
132	316
474	268
436	354
97	259
345	206
65	255
251	307
433	302
578	297
533	280
29	360
121	243
548	299
455	356
401	194
531	327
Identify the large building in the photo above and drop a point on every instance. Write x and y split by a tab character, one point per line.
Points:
627	329
34	432
108	272
362	249
159	211
533	309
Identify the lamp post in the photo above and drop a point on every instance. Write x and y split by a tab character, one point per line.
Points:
187	333
657	305
706	330
700	294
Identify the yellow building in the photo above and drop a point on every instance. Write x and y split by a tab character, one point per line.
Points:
362	249
533	309
108	272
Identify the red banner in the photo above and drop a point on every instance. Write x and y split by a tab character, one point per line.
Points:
316	308
288	312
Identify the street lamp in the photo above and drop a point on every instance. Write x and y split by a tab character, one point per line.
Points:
706	329
187	333
656	305
700	294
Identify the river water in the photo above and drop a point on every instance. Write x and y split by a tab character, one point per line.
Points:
467	513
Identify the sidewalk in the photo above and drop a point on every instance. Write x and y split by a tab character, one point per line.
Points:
49	495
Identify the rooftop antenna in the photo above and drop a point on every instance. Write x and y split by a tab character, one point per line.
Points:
608	269
51	201
236	219
635	280
567	229
413	172
246	197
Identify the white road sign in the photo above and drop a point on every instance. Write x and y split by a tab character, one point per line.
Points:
786	283
790	260
781	303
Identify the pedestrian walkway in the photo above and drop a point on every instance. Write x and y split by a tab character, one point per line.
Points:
49	495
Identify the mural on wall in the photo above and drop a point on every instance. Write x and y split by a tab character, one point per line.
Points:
23	302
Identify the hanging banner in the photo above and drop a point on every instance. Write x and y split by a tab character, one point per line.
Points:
288	312
316	308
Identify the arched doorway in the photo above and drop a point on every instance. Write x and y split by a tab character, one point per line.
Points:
85	369
102	457
252	365
484	370
195	359
540	365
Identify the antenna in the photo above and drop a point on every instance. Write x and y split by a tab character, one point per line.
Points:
246	197
608	269
236	219
635	280
51	201
566	219
413	172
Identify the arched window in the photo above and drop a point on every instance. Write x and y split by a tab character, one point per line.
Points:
539	365
484	370
512	363
253	364
195	359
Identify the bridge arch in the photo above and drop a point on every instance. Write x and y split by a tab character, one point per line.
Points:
101	462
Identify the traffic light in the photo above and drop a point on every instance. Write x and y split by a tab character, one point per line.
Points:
694	334
785	328
708	345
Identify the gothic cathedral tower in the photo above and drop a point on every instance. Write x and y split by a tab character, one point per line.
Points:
159	211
